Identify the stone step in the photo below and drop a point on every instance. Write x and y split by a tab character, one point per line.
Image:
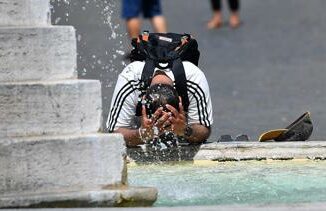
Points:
53	164
37	53
124	196
50	108
24	12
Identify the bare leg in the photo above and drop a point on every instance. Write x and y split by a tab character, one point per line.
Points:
133	27
159	24
234	19
234	6
216	20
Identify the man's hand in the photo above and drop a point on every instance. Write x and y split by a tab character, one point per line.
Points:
156	125
178	119
174	121
147	124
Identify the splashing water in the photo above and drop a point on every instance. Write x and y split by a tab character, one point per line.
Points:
67	12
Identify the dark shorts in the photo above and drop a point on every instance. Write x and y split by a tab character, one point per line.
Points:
133	8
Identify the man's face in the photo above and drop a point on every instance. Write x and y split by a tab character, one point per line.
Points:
161	78
158	96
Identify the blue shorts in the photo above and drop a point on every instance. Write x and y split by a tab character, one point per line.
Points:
133	8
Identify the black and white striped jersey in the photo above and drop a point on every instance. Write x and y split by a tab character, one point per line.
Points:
126	94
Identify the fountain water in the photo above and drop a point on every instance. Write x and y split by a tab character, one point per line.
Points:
225	183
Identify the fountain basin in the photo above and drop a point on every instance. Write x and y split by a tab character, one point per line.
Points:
268	174
209	183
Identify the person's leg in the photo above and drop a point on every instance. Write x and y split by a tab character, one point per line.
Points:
152	9
234	16
216	20
159	24
216	5
130	12
133	27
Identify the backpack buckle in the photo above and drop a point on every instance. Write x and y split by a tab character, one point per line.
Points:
184	40
145	36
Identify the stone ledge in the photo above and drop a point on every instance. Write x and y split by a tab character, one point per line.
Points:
50	108
55	163
37	53
24	12
233	151
107	197
261	151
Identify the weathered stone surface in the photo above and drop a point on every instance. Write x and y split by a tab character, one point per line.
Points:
24	12
233	151
261	151
50	153
50	108
113	197
37	53
64	163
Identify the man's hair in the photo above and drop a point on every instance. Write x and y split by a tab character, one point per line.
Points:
158	95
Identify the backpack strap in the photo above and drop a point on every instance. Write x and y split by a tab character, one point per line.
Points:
181	82
146	79
148	72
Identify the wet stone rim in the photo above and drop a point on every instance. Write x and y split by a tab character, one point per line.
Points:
235	151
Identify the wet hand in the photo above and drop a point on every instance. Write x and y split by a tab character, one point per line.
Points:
146	130
162	121
178	119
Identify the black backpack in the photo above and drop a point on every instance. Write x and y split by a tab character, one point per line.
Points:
168	48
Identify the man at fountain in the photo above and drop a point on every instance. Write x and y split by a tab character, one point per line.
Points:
194	125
